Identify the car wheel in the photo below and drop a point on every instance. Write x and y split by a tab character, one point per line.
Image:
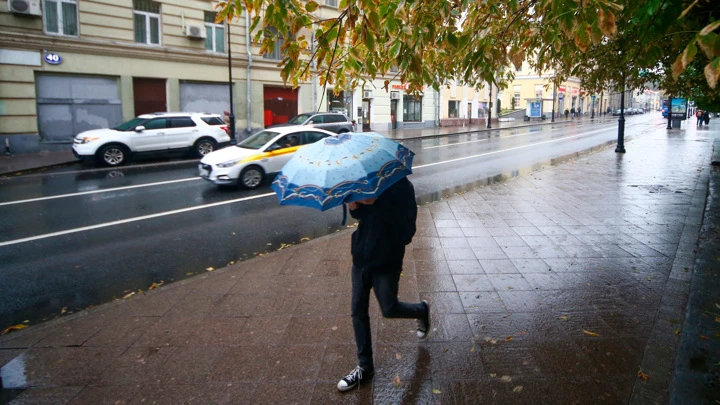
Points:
251	177
113	155
204	146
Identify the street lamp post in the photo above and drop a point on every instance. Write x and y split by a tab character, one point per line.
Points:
491	107
231	124
621	121
552	114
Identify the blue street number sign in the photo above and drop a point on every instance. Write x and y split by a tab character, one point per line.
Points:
53	58
561	96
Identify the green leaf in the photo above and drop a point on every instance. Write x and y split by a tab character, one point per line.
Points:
311	6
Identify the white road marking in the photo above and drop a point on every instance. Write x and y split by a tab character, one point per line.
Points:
509	149
125	221
98	191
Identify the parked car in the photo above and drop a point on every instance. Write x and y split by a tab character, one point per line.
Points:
157	133
329	121
247	163
616	112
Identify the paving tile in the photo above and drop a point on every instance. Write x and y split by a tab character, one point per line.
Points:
465	266
473	282
482	302
308	330
116	394
506	282
264	330
137	365
444	302
436	282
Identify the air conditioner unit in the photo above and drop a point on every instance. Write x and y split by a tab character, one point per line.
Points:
195	31
25	7
394	95
367	94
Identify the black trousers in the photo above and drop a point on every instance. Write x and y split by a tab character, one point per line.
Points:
385	283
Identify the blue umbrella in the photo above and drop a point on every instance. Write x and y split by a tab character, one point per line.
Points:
343	168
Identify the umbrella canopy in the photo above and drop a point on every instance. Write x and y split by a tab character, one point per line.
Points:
343	168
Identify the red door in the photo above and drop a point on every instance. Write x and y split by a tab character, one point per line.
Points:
150	95
281	104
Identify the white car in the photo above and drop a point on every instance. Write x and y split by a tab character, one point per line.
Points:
199	133
248	162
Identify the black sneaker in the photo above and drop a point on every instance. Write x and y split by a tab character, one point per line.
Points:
355	377
424	323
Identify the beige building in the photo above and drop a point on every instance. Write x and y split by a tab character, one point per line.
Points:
463	105
67	66
528	88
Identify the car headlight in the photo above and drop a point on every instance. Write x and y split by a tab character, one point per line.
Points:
88	139
229	163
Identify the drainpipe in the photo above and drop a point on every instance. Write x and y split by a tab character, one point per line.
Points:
316	107
249	66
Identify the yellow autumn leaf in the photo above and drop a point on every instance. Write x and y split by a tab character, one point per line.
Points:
128	295
210	269
712	74
436	391
63	310
472	349
397	381
518	388
509	338
506	378
305	239
398	356
563	318
13	328
643	375
587	332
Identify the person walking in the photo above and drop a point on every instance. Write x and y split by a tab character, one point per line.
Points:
572	112
567	113
386	225
699	116
706	118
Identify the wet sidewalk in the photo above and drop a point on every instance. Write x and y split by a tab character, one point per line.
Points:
18	163
568	285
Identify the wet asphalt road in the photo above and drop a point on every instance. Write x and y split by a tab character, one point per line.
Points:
75	236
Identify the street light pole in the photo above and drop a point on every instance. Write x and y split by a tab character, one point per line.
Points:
621	121
552	114
491	107
231	124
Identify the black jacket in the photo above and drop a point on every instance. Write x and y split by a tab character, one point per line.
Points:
377	242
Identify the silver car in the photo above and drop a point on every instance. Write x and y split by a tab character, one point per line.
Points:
329	121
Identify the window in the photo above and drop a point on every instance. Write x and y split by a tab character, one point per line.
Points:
279	41
334	118
215	38
181	122
61	17
453	107
331	3
412	108
157	123
146	15
312	137
213	120
538	90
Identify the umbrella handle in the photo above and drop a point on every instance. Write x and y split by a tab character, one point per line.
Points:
344	221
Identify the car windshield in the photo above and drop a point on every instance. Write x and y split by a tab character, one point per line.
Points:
299	119
130	125
258	140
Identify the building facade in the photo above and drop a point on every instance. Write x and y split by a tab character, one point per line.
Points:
68	66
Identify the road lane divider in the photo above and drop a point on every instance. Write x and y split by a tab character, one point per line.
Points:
509	149
129	220
52	197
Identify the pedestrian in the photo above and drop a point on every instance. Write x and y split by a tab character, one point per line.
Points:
572	112
567	112
706	118
385	225
699	116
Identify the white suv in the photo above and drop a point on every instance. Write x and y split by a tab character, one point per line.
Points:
199	133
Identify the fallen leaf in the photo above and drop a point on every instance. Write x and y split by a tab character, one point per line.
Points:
210	269
563	318
717	319
398	356
305	239
509	338
129	295
397	381
472	349
13	328
493	375
518	388
506	378
677	332
63	310
587	332
703	337
189	274
445	350
643	375
436	391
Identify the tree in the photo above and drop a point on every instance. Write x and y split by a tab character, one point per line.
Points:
433	42
512	102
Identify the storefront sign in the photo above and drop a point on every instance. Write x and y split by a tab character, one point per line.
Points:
403	86
53	58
